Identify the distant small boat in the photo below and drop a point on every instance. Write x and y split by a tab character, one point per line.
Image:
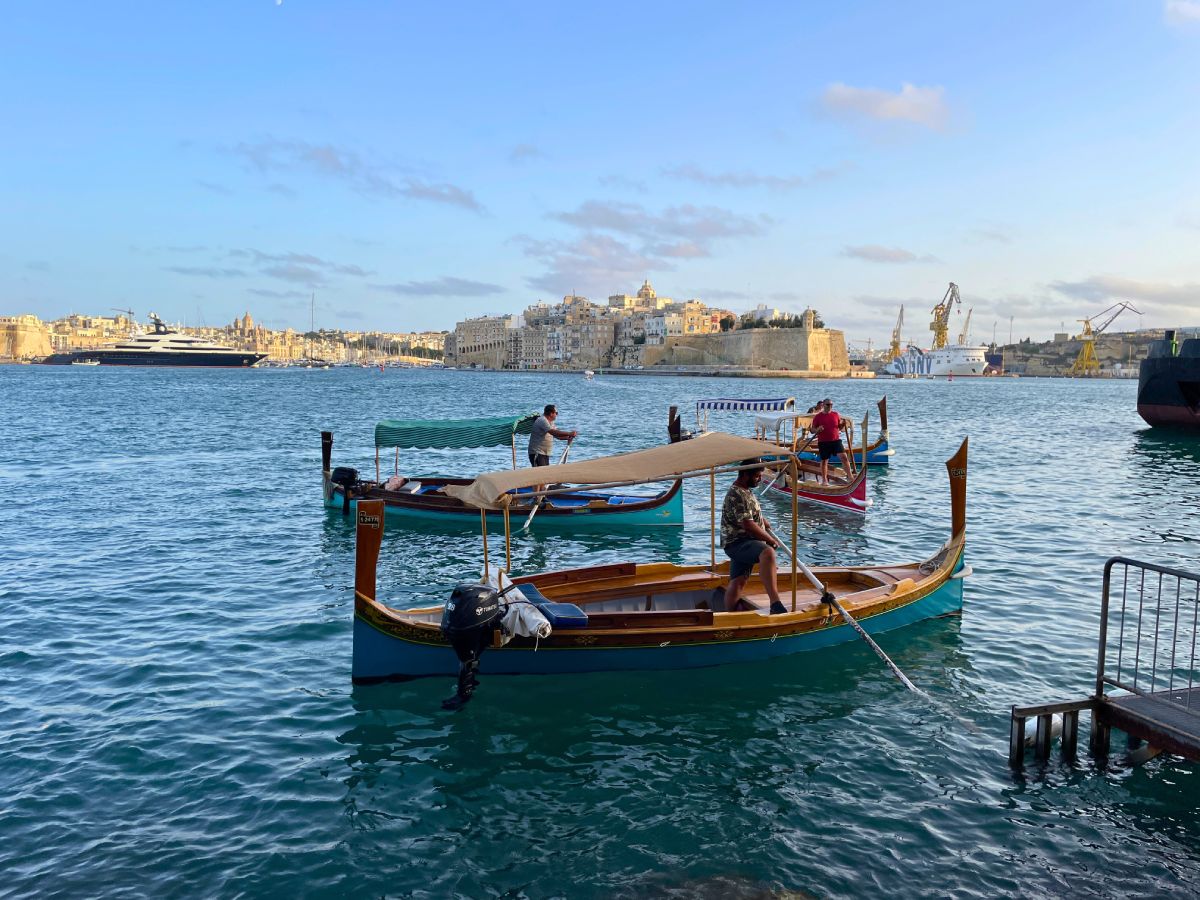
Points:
589	374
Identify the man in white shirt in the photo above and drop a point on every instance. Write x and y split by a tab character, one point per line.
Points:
541	438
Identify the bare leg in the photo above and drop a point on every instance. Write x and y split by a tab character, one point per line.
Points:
766	571
734	592
825	471
847	472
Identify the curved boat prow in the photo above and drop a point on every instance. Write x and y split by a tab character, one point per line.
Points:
367	540
883	417
956	467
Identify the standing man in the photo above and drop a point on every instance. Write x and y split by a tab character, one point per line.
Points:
541	437
747	541
827	426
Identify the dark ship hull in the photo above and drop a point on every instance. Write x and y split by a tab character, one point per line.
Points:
234	360
1169	384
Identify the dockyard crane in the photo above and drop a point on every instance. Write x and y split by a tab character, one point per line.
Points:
940	326
894	352
1086	362
965	334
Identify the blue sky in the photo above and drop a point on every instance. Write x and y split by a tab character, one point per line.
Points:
412	166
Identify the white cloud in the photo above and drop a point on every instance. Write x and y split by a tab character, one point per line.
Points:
1178	301
876	253
1182	12
921	106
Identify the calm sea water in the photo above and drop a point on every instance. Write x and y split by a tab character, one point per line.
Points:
177	717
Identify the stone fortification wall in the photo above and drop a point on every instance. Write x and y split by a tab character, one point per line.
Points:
799	349
23	337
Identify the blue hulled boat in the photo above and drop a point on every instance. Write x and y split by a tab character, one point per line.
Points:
629	615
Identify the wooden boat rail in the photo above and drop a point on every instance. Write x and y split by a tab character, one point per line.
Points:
1147	650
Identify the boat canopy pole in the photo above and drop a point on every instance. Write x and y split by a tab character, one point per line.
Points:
794	465
507	542
712	514
377	464
483	521
514	449
397	469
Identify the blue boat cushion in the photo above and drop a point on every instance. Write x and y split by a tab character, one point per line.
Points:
560	615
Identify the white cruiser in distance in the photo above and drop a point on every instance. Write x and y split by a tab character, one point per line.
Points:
161	347
957	360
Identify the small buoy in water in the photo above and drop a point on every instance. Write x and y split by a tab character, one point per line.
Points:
1056	725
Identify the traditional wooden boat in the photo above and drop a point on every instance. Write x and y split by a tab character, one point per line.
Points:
790	431
878	453
430	497
628	615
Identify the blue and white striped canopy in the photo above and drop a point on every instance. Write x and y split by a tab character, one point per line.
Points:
770	404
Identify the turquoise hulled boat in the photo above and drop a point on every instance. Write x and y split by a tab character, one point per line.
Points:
657	615
430	498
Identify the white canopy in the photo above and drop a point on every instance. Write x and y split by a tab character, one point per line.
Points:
706	451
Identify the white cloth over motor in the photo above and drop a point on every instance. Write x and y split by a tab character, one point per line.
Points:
522	618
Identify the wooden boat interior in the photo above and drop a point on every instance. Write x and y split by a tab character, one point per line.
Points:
628	596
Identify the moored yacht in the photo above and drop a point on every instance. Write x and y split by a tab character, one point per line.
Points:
161	347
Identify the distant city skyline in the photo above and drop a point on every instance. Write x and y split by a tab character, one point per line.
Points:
415	166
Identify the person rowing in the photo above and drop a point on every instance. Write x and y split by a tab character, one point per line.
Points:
747	541
541	439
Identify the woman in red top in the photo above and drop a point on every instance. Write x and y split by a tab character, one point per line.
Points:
827	426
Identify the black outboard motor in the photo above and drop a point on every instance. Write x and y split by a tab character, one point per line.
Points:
347	479
469	621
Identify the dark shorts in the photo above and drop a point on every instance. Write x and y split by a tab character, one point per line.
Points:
539	459
744	556
827	449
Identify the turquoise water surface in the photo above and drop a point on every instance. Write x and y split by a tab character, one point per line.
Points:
178	718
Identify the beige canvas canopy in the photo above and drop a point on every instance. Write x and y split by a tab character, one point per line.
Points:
707	451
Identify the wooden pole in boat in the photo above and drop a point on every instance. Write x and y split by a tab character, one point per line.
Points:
377	464
396	471
795	475
483	522
514	448
507	541
536	504
712	514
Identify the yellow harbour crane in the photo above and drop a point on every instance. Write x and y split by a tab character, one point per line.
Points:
940	326
965	335
894	351
1086	362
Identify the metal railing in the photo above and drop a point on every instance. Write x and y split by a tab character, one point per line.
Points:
1149	631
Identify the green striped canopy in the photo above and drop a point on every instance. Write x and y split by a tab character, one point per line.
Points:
452	433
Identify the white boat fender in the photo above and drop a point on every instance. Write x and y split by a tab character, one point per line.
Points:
1056	726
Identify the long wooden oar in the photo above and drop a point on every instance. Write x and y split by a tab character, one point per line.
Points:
827	597
537	505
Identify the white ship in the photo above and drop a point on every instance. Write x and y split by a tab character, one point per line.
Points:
957	360
945	359
161	347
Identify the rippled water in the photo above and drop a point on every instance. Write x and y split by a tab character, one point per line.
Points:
178	718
